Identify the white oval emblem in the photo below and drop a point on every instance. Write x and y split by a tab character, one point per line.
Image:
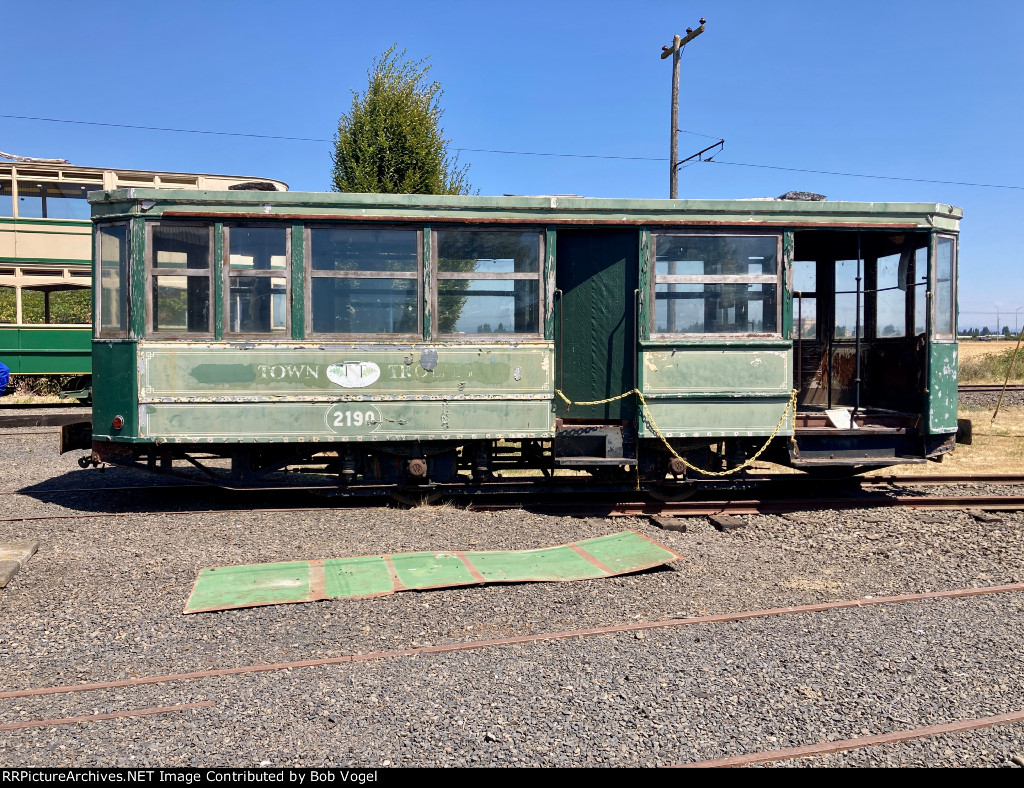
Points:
353	374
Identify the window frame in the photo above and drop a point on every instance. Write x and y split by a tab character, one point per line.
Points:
311	274
152	271
74	278
933	286
125	284
285	273
438	275
795	334
656	279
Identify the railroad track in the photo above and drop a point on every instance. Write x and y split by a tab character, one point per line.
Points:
702	507
988	388
537	639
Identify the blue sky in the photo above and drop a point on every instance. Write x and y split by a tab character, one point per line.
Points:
920	90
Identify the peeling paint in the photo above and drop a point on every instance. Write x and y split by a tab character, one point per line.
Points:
428	359
517	374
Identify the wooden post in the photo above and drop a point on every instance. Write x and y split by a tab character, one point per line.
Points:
675	51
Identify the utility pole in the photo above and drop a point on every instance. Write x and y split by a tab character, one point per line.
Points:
675	51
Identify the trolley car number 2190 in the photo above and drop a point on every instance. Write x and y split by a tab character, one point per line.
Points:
342	417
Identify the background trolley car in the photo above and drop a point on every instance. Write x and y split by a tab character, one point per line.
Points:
46	258
425	340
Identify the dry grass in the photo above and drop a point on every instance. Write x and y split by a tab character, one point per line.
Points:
989	362
34	399
971	350
997	447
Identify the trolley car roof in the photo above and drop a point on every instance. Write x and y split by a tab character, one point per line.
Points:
544	209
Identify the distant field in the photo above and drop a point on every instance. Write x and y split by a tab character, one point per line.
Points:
970	350
987	362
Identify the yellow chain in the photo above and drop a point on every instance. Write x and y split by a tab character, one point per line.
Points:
791	405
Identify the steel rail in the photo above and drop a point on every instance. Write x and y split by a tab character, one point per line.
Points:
84	410
826	748
10	726
689	508
775	478
985	388
474	645
697	508
14	421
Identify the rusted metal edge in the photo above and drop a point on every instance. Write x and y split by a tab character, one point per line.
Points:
473	571
519	639
705	508
317	581
601	567
825	748
10	726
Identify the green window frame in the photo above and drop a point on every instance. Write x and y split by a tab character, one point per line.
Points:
179	280
364	280
944	287
111	283
257	286
723	298
499	273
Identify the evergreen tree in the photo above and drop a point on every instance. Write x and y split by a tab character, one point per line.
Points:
391	141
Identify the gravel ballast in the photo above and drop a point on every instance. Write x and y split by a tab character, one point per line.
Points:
102	601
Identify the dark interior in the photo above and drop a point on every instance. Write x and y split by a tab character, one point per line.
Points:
886	272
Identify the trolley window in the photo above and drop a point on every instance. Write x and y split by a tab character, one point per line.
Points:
112	304
919	277
891	298
179	274
945	301
257	279
488	282
847	316
48	200
56	305
716	284
6	198
805	298
364	280
8	304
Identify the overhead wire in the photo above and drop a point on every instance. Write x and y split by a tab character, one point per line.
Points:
531	153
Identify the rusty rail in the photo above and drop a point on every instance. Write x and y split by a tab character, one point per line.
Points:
10	726
474	645
826	748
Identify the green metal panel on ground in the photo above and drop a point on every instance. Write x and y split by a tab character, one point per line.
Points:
41	350
942	387
597	272
366	576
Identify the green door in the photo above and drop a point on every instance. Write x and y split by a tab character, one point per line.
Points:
597	272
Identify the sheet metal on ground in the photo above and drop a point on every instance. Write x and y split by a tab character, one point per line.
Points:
222	588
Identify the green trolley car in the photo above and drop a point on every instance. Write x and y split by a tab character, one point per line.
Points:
385	340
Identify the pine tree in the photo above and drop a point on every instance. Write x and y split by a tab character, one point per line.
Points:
391	141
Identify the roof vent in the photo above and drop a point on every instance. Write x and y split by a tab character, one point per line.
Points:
252	186
805	196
